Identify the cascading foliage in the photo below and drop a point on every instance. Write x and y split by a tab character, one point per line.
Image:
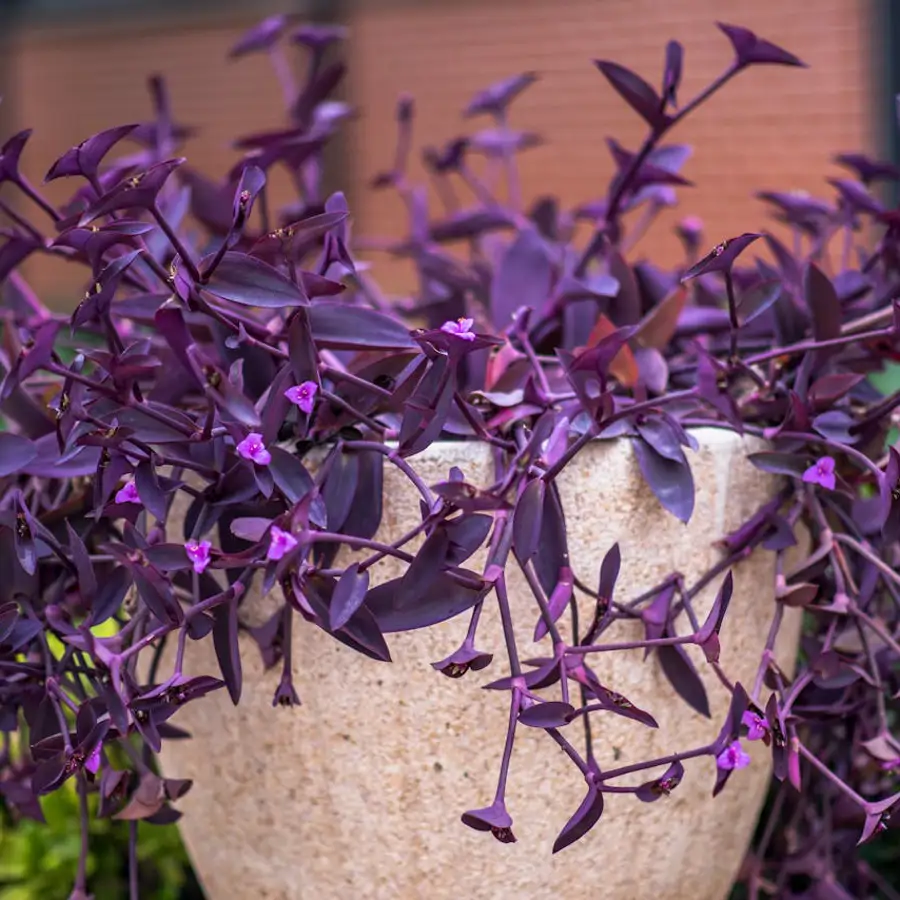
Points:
220	342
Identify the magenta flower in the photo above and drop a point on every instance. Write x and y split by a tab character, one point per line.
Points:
733	757
303	395
198	554
280	543
462	328
821	472
757	726
128	494
253	448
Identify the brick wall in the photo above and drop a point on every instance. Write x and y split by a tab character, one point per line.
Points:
772	128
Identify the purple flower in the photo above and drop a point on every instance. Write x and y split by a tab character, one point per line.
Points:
757	726
733	757
493	818
303	395
462	328
280	543
128	494
821	472
253	448
462	660
198	554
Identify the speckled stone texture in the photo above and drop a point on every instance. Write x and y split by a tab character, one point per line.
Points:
357	794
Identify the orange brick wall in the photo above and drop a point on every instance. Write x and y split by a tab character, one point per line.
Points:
772	128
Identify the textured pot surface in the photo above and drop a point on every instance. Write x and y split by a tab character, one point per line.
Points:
358	793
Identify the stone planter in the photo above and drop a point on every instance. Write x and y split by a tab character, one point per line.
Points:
357	794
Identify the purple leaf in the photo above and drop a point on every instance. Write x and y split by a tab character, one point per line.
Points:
348	596
15	453
722	257
671	481
583	819
85	159
10	153
522	278
549	714
528	519
364	517
137	192
635	92
672	72
708	635
339	326
778	463
244	279
679	669
108	599
225	641
260	37
823	304
445	599
750	49
496	98
290	475
557	602
340	486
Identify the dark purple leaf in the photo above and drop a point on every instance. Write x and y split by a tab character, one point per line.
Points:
364	516
822	302
528	519
583	820
260	37
671	481
556	602
225	641
85	159
137	192
522	278
778	463
15	453
348	596
496	98
722	257
682	675
339	326
244	279
550	714
634	91
708	635
110	595
290	475
672	72
750	49
340	486
445	599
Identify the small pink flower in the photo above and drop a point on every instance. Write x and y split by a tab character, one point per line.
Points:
198	554
821	472
891	765
253	448
462	328
303	395
733	757
128	494
92	763
757	726
280	543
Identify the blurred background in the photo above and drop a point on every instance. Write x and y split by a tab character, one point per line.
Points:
69	68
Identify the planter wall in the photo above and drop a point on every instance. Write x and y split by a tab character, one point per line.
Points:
358	793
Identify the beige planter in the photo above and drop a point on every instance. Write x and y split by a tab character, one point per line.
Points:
357	794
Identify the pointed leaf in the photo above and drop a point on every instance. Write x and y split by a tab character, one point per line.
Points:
225	641
340	326
634	91
583	820
348	596
244	279
522	278
672	482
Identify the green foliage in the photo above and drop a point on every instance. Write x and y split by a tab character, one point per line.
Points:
39	862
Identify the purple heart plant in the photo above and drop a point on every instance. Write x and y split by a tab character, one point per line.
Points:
220	344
